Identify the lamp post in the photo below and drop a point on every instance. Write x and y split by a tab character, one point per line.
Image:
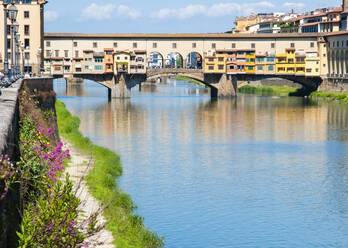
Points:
12	14
6	72
15	27
50	56
39	51
23	61
18	43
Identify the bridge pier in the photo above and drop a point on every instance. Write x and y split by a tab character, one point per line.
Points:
222	85
73	80
120	88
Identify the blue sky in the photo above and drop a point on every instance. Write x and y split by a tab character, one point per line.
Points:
161	16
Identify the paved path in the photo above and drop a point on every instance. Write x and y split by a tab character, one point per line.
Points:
78	168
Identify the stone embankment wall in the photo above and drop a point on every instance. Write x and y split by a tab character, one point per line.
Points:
333	85
9	117
9	112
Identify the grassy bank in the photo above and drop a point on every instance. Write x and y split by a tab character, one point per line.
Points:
338	96
194	81
127	228
267	90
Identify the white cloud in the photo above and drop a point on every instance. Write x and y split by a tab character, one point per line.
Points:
107	11
125	11
51	15
216	10
294	5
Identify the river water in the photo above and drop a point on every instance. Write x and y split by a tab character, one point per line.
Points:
245	172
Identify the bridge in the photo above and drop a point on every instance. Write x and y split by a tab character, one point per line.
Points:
220	60
220	84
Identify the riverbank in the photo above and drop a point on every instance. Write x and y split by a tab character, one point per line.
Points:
191	80
127	228
330	96
267	90
78	168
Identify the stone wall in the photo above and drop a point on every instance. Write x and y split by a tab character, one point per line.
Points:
9	120
334	85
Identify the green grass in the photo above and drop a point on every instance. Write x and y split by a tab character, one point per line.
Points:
194	81
127	228
339	96
267	90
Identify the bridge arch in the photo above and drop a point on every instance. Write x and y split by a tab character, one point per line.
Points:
155	60
174	60
194	60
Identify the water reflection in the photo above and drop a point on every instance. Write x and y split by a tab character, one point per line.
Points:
242	172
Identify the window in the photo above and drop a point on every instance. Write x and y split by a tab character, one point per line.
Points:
259	68
48	53
27	55
115	44
233	45
8	43
86	67
292	45
312	44
221	67
213	45
338	44
78	70
211	68
26	29
221	59
8	29
125	58
174	45
260	59
48	43
95	44
272	45
98	67
252	45
76	54
270	59
26	43
250	68
135	45
26	14
66	53
75	44
270	68
211	59
57	53
309	70
194	45
154	45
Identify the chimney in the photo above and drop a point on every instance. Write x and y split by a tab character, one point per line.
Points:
292	11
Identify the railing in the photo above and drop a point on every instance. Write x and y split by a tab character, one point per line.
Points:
174	70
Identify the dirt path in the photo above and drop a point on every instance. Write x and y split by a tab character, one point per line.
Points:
78	168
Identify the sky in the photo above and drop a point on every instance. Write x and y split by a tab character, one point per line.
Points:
162	16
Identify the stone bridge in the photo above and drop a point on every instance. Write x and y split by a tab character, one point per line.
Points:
220	84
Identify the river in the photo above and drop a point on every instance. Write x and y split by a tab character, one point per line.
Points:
245	172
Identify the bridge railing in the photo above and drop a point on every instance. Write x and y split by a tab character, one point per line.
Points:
173	70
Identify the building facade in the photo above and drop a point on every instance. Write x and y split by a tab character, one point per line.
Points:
30	18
